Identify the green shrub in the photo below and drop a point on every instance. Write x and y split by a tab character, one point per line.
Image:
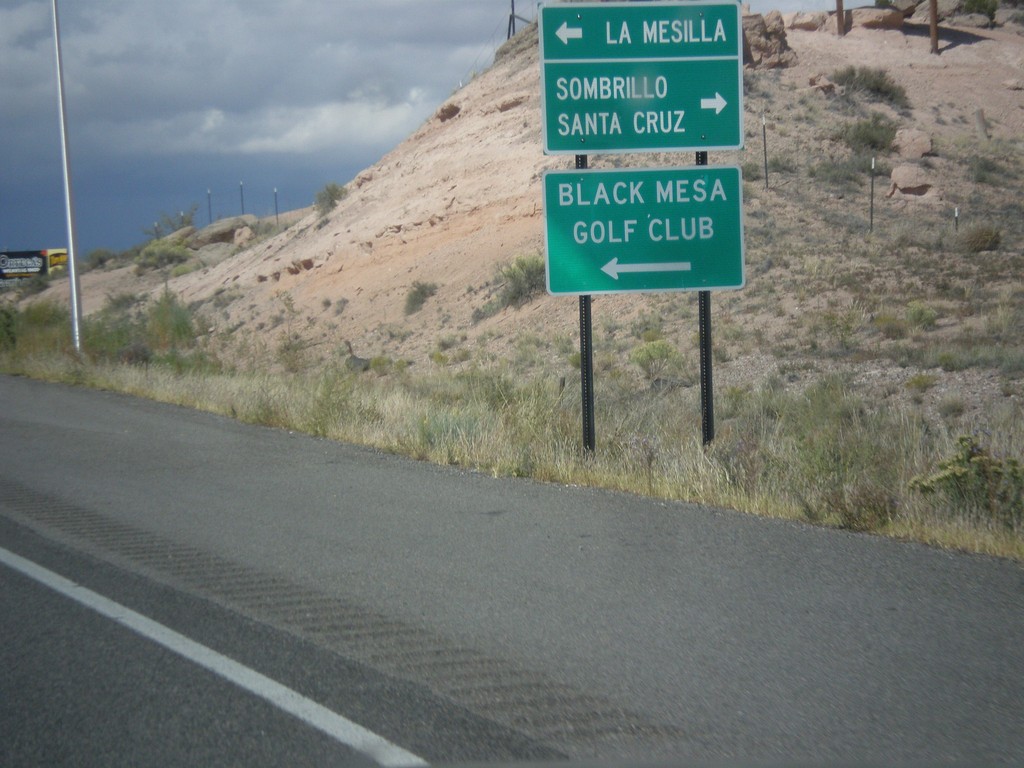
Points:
921	382
874	82
890	326
524	278
169	323
981	237
983	170
99	258
654	358
518	283
876	133
841	173
920	315
418	295
159	254
329	197
8	336
984	7
977	484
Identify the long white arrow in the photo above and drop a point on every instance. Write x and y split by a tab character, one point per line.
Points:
566	33
615	269
717	103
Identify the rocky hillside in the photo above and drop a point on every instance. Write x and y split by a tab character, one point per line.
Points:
462	196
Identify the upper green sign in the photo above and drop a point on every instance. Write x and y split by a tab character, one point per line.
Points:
641	77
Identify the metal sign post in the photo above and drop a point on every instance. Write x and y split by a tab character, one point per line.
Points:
642	77
587	358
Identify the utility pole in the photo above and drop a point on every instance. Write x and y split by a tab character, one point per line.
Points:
69	199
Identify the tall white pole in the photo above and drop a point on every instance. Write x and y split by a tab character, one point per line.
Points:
76	306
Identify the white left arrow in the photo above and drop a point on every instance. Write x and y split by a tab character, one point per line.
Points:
717	103
614	269
566	33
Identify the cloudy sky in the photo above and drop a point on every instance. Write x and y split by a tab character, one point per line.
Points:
168	99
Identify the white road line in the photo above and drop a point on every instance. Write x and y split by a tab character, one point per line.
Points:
294	703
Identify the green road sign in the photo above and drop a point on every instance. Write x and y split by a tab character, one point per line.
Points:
632	230
641	77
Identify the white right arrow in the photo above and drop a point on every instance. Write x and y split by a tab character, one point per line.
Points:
566	33
717	103
614	269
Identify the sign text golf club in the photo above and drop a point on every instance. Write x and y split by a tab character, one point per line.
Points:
656	229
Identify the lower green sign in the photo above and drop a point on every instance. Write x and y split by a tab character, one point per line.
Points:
633	230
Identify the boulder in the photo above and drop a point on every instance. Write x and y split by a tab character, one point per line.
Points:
971	20
912	143
764	42
946	9
222	231
1008	16
806	21
215	253
905	7
876	18
910	180
181	235
243	236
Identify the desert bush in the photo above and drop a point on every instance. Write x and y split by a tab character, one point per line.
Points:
872	81
981	237
920	315
159	254
169	323
418	295
890	326
876	133
983	170
984	7
329	197
921	382
8	336
524	278
654	358
841	173
978	485
39	329
99	258
519	282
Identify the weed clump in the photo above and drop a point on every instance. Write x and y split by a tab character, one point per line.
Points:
159	254
329	197
874	82
519	283
876	133
976	483
418	295
982	237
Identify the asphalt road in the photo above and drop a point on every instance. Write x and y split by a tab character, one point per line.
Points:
552	620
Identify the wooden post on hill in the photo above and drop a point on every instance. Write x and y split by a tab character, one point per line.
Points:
933	23
841	18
